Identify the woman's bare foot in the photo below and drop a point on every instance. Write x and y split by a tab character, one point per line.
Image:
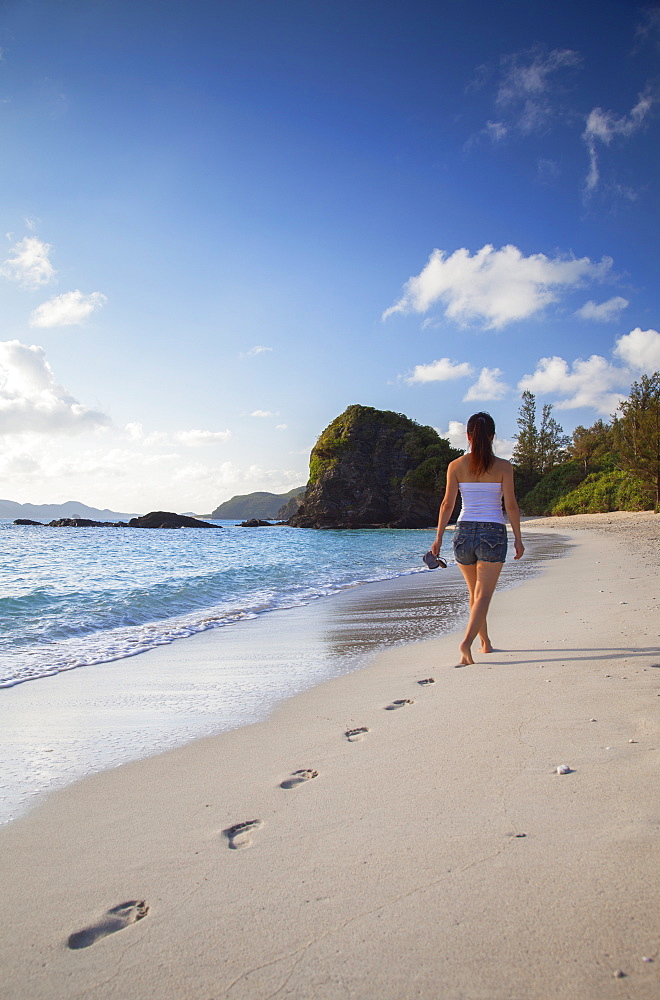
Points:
466	654
486	646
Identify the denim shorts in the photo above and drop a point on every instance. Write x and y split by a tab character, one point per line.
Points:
479	541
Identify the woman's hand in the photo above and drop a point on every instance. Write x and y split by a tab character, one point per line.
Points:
519	547
435	548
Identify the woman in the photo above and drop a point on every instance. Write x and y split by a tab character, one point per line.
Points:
480	538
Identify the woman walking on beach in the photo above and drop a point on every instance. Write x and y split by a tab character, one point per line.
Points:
480	541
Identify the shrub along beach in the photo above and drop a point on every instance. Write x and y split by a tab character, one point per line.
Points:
597	469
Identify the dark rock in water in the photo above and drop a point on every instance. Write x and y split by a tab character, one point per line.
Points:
156	519
166	519
84	522
254	522
25	520
375	469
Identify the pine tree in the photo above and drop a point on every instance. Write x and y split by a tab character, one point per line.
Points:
537	450
525	453
552	442
637	433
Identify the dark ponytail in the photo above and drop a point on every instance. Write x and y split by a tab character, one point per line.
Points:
481	428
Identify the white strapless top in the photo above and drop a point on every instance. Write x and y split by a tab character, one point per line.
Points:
481	502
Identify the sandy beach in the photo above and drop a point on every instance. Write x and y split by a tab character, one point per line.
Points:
435	853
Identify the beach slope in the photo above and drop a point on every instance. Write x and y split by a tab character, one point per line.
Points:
435	853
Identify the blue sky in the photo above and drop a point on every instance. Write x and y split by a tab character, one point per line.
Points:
225	221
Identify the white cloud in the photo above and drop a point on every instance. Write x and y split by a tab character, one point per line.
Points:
190	439
109	470
281	427
262	413
488	386
29	263
456	434
494	287
226	479
440	371
649	28
527	86
134	431
496	131
31	401
587	383
252	353
604	126
640	349
596	383
69	309
195	439
137	434
604	312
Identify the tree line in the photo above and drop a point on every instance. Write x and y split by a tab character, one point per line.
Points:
608	466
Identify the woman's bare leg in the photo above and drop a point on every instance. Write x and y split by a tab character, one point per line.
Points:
481	581
470	576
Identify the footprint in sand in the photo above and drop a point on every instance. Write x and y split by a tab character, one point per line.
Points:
298	777
114	920
353	735
239	835
399	703
427	680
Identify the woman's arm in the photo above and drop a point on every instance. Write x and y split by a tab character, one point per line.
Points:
446	507
511	507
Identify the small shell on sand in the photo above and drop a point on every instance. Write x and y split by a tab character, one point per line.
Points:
619	974
563	769
632	741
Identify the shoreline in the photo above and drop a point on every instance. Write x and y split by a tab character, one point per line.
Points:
439	852
60	728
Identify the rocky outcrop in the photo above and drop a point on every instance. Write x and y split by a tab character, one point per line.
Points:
166	519
291	507
255	522
26	520
372	469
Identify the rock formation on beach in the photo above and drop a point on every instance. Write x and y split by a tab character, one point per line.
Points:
375	468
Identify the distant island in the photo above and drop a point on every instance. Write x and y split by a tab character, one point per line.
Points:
260	506
53	511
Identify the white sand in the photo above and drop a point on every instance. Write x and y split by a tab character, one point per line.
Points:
400	870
